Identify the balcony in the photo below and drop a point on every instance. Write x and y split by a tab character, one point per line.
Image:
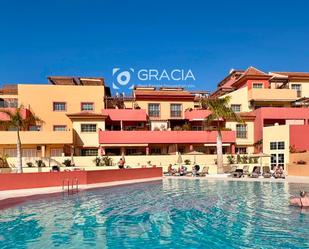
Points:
278	95
163	137
24	113
37	137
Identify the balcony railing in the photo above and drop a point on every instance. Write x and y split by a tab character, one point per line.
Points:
164	137
272	95
37	137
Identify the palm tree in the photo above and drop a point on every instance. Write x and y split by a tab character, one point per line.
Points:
220	110
16	120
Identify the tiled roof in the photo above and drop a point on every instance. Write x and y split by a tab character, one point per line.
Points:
251	72
294	74
194	115
163	94
70	80
125	114
86	115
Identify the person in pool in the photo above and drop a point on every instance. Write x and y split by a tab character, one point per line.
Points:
121	163
302	201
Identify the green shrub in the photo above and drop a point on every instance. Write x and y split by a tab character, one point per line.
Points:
230	159
29	164
97	161
106	161
67	163
187	162
238	159
40	163
244	159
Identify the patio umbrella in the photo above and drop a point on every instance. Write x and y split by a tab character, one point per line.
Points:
179	159
194	152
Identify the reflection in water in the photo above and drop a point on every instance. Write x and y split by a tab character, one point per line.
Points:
172	214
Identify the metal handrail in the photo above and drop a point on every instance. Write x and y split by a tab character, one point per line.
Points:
67	182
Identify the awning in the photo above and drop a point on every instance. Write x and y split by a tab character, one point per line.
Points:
126	114
197	115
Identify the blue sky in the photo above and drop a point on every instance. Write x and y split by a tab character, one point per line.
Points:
90	38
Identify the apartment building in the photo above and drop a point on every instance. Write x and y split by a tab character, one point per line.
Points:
81	118
277	101
70	108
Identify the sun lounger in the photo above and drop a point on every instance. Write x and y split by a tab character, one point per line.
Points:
233	169
204	171
245	171
256	172
238	173
266	172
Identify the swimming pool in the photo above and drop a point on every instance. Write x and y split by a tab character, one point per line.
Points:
169	214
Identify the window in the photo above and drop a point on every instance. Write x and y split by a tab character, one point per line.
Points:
154	110
87	107
34	128
241	131
89	152
297	87
273	160
235	108
280	145
281	160
10	152
257	85
60	128
56	152
131	151
12	128
241	150
176	110
155	151
7	103
273	145
277	145
197	128
59	106
88	128
29	152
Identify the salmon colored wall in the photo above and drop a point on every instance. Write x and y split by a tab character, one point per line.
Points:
122	175
51	179
298	170
299	137
250	83
276	113
38	180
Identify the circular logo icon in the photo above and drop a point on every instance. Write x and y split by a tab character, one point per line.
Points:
122	78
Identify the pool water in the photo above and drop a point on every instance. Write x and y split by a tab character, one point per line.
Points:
169	214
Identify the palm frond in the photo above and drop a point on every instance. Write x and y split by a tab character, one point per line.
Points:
220	109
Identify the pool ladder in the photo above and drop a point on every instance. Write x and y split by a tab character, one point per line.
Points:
72	186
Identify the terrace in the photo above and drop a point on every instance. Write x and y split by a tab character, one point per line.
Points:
278	95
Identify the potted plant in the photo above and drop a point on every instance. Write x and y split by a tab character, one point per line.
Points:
67	163
40	163
230	159
97	161
29	164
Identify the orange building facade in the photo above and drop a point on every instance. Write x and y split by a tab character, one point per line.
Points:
81	118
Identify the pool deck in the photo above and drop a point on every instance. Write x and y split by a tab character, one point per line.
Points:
225	177
13	197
